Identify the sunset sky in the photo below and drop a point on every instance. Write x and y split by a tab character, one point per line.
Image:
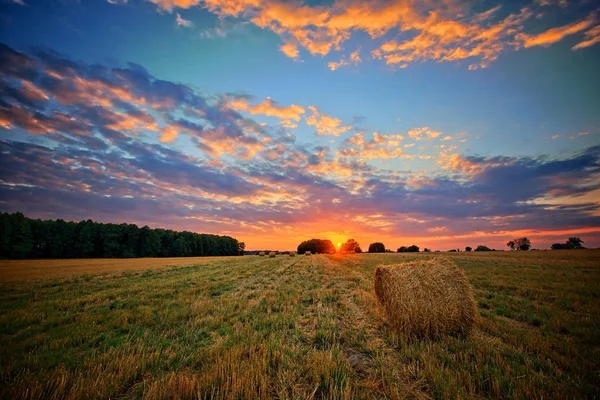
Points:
440	124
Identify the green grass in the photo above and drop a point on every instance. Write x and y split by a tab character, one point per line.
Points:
303	327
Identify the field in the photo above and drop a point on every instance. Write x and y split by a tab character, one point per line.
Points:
293	328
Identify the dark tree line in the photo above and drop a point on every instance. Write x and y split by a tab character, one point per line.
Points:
22	237
316	246
408	249
571	243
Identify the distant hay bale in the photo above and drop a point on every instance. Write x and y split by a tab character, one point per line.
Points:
426	298
262	253
272	254
307	253
292	254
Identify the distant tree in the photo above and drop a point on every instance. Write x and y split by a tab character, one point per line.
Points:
574	243
519	244
316	246
350	245
359	250
241	248
426	250
413	249
376	247
482	248
468	248
452	251
559	246
402	249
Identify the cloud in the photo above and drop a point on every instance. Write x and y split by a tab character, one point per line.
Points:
180	21
554	35
592	37
269	108
324	124
423	133
354	59
380	147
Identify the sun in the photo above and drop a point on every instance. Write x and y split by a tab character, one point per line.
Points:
339	245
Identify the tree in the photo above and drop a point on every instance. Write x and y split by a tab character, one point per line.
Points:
316	246
426	250
519	244
376	247
559	246
351	245
402	249
468	248
241	248
574	243
482	248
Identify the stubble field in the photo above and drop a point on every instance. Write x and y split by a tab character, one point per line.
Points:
293	328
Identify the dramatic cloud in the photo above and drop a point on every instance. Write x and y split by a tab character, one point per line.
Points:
118	144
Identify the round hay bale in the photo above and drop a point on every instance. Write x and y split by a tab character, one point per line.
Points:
262	253
425	298
307	253
292	254
272	254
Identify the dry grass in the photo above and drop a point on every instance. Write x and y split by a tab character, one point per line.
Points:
292	254
13	270
426	297
299	328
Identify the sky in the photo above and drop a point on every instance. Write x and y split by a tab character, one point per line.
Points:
443	124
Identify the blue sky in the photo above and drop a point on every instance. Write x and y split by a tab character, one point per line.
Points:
341	103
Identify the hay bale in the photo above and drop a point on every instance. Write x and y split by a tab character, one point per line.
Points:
262	253
292	254
272	254
307	253
425	298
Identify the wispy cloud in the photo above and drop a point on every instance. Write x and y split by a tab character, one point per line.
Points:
554	35
180	21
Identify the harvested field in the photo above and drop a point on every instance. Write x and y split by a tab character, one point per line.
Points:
304	327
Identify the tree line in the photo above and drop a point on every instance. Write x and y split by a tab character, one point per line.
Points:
22	237
351	245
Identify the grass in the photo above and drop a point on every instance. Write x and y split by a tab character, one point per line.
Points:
308	327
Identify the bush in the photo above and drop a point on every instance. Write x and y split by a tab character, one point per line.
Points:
316	246
376	247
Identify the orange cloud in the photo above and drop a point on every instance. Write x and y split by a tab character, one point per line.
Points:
554	35
592	37
423	133
269	108
324	124
381	146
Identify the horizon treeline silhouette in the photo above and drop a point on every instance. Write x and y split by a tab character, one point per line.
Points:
22	237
